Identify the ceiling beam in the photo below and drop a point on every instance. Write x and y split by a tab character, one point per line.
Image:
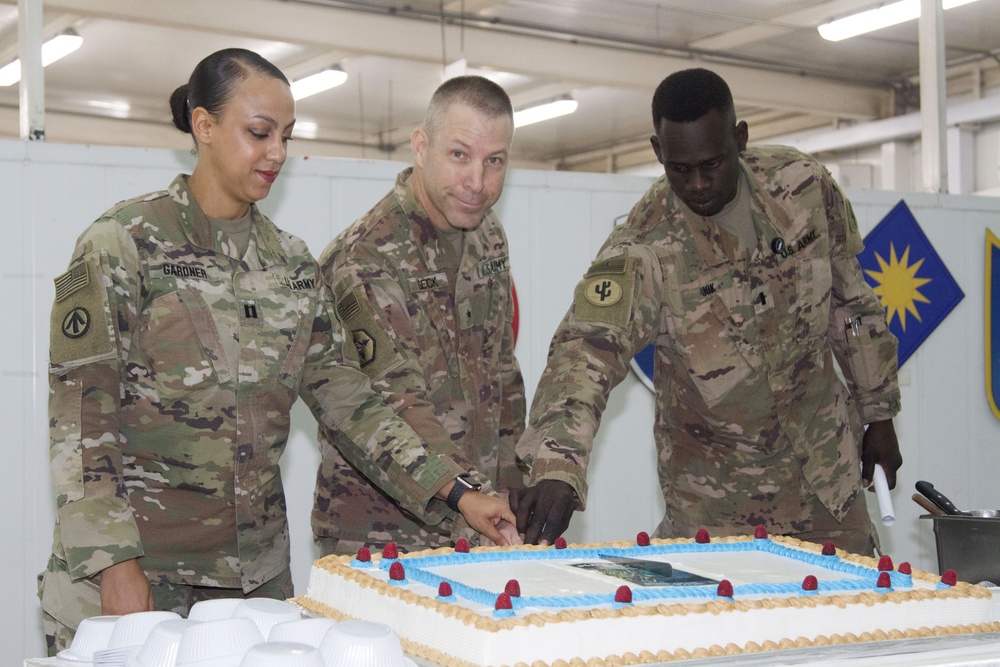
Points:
545	58
809	17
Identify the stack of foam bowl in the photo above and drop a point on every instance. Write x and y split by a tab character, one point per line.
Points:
160	648
128	636
362	644
266	613
221	643
282	654
302	631
92	636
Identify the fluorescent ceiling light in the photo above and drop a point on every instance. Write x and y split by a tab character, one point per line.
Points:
317	83
305	129
878	18
546	111
52	50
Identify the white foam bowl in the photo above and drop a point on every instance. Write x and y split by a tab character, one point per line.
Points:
160	648
362	644
267	613
92	636
304	631
217	643
282	654
133	629
214	610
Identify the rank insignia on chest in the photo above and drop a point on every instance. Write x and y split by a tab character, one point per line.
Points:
365	345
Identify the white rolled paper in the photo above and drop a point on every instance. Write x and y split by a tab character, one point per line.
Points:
882	495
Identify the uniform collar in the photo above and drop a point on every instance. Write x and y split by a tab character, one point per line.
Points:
264	248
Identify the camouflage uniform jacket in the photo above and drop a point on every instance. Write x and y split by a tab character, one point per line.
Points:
433	332
751	417
160	449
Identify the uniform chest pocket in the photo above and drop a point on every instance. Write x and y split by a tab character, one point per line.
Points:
701	334
812	282
180	347
296	329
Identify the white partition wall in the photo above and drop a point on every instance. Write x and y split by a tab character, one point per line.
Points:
555	222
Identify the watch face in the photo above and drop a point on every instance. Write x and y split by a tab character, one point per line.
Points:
469	481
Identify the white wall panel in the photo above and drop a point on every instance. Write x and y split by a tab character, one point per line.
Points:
555	222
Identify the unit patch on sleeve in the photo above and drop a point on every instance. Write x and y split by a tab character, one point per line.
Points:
79	329
605	293
375	349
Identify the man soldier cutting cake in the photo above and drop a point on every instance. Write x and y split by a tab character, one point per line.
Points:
739	266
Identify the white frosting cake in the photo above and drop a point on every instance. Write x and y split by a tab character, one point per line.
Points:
675	599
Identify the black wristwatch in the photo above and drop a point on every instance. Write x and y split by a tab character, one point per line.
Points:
462	484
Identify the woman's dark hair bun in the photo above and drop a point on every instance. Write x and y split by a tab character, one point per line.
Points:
179	109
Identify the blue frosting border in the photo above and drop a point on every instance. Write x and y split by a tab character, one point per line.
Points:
855	578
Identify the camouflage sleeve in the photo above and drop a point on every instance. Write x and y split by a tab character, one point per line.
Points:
92	321
615	312
858	333
396	442
512	411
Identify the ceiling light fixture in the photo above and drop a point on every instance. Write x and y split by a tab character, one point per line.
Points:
317	83
52	50
878	18
545	111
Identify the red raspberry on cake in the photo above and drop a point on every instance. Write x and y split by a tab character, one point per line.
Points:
884	580
390	550
364	555
829	549
885	563
513	589
642	539
503	602
560	543
623	595
444	590
725	589
760	533
810	583
396	572
462	545
949	578
904	568
701	537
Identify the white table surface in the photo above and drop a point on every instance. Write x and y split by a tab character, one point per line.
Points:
980	650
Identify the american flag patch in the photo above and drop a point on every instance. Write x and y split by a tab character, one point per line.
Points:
76	278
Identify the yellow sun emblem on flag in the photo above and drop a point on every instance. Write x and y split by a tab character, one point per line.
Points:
899	287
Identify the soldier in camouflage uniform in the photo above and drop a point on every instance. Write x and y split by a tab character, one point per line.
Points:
739	265
423	284
181	335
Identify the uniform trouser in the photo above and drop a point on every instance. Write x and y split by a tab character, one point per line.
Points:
855	533
85	601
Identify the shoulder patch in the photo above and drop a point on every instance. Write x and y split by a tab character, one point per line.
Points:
375	350
605	293
79	326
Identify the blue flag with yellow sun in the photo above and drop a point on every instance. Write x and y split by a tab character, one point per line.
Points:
909	279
